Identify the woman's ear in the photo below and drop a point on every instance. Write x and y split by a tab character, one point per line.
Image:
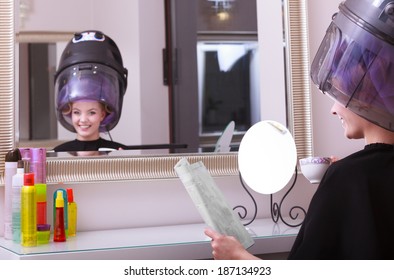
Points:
103	114
104	111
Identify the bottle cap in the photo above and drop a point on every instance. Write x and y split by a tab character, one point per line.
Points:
13	155
28	179
70	195
59	199
41	190
43	227
43	233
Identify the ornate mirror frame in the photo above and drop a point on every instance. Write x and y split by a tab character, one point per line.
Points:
123	168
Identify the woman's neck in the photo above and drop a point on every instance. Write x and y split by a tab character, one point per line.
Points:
379	135
79	138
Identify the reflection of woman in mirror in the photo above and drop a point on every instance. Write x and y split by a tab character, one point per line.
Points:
89	87
86	117
351	214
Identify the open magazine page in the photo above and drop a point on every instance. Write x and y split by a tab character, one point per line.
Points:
210	201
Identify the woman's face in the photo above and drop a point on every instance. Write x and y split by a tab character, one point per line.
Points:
86	118
354	126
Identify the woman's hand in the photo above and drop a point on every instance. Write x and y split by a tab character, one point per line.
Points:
334	159
227	247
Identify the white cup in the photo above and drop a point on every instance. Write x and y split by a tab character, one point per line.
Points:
314	168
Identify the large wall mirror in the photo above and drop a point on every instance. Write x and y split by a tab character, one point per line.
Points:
124	166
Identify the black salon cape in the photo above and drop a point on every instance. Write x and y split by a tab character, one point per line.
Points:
351	215
76	145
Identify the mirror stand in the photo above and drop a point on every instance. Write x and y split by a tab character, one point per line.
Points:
276	208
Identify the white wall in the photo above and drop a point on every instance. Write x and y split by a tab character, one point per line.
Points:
272	78
163	202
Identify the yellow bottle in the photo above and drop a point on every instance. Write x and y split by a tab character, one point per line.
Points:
28	212
72	213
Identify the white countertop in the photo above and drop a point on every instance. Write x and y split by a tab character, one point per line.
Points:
165	242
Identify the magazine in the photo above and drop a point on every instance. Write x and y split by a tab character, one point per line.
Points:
210	201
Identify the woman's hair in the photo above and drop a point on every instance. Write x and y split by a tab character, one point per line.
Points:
66	111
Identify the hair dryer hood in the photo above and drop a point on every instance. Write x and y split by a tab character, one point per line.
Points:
90	68
355	62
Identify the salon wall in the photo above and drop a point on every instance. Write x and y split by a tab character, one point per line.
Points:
165	202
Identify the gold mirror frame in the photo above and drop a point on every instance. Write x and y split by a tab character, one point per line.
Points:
123	168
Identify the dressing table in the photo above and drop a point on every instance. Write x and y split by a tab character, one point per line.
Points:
166	242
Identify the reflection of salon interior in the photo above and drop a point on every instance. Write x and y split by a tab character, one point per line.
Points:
225	84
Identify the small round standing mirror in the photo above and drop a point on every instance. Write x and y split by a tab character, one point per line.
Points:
267	157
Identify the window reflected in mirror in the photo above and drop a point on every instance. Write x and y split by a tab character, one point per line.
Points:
228	85
216	42
37	66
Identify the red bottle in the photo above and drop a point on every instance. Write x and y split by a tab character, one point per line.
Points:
59	233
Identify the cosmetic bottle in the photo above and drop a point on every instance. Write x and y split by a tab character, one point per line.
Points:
59	233
43	234
38	167
72	213
17	183
28	212
11	164
38	164
65	198
41	190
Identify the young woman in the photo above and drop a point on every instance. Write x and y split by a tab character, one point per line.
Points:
352	212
